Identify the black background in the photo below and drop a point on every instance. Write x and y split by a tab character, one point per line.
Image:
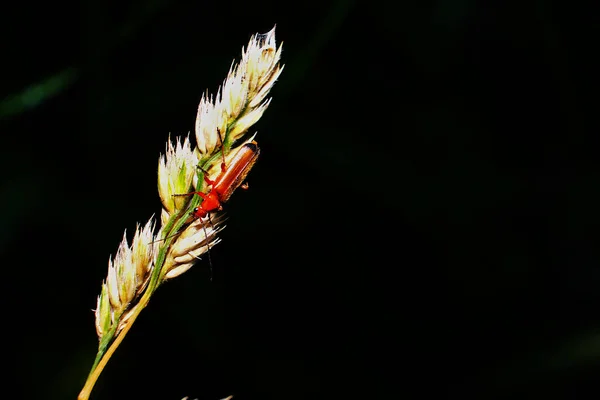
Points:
422	220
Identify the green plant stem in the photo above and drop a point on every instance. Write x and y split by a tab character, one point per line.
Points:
103	357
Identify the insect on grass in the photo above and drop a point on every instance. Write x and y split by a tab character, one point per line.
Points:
223	186
140	267
228	181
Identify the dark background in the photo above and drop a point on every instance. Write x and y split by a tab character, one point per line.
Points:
422	220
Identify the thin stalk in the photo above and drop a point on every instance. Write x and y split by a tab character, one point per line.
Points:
93	377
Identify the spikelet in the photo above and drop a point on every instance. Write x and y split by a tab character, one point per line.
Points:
176	169
128	274
242	99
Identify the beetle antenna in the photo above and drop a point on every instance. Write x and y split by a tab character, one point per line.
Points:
223	166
